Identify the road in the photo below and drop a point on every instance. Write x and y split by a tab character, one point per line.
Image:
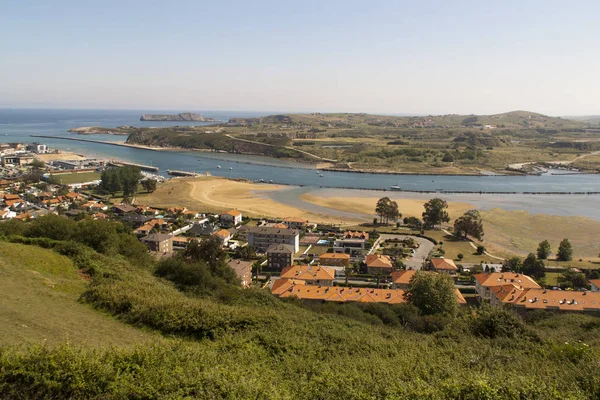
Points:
425	246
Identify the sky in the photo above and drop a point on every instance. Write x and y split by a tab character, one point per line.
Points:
398	57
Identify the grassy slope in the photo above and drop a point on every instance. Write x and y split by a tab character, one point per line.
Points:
265	348
39	292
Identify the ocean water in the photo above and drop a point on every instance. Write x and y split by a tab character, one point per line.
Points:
17	125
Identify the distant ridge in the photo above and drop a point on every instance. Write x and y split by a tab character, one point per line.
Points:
177	117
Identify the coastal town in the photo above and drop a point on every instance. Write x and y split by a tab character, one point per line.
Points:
290	256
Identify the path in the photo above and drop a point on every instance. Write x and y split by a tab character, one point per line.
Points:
285	147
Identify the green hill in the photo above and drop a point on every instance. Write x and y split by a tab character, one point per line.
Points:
225	342
39	292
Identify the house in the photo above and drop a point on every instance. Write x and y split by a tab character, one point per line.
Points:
444	266
486	281
136	220
296	288
280	256
544	299
17	160
122	209
180	242
262	237
159	243
6	213
354	246
312	275
243	270
203	228
224	235
334	259
401	279
378	263
72	196
231	218
595	285
295	222
356	235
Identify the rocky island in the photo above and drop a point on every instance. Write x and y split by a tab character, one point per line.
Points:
177	117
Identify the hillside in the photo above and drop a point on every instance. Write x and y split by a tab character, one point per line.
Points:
238	343
40	292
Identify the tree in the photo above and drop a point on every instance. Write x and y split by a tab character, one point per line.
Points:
512	264
533	267
53	227
469	224
480	250
382	206
544	250
413	222
350	270
435	213
572	279
460	256
387	209
149	185
565	251
111	181
130	178
432	293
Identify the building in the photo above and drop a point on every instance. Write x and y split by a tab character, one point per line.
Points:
122	209
280	256
401	279
444	266
203	228
378	263
544	299
136	220
295	223
595	285
159	243
231	218
262	237
334	259
37	148
243	270
224	235
293	288
18	160
355	247
486	281
312	275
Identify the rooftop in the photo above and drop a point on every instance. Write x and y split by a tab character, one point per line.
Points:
444	264
378	261
491	279
281	248
308	273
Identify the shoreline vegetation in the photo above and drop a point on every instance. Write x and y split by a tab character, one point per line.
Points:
513	143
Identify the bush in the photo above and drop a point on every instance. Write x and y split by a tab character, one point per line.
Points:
460	256
494	322
480	250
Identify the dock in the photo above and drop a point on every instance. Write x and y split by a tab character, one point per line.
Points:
140	166
182	173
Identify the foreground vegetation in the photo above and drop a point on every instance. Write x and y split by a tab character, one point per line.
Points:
219	340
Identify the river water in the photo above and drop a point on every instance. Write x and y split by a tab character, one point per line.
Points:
17	125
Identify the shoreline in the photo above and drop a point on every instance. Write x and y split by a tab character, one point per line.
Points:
316	167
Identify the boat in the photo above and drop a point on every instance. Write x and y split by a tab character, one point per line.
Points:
218	166
321	175
230	168
395	187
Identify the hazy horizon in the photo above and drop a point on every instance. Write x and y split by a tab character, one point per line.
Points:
394	58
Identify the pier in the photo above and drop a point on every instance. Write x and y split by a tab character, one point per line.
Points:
182	173
140	166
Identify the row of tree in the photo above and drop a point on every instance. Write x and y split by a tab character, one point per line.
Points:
123	179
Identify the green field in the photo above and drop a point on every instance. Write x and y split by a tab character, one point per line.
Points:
76	177
40	292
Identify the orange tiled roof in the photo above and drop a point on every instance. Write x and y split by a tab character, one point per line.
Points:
379	261
595	282
282	226
459	297
233	213
356	235
558	300
402	277
223	233
308	273
444	264
490	279
11	197
337	294
12	202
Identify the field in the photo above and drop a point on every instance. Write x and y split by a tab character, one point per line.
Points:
76	177
40	292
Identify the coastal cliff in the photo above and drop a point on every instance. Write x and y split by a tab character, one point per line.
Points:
177	117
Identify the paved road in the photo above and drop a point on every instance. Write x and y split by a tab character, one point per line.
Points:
425	246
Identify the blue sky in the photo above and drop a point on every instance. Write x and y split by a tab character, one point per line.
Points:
422	57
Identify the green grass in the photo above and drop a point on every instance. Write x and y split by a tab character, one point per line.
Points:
40	292
76	177
248	344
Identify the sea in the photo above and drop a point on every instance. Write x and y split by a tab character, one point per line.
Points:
18	125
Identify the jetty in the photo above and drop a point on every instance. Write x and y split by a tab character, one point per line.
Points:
140	166
174	172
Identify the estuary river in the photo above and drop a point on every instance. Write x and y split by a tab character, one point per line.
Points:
17	125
